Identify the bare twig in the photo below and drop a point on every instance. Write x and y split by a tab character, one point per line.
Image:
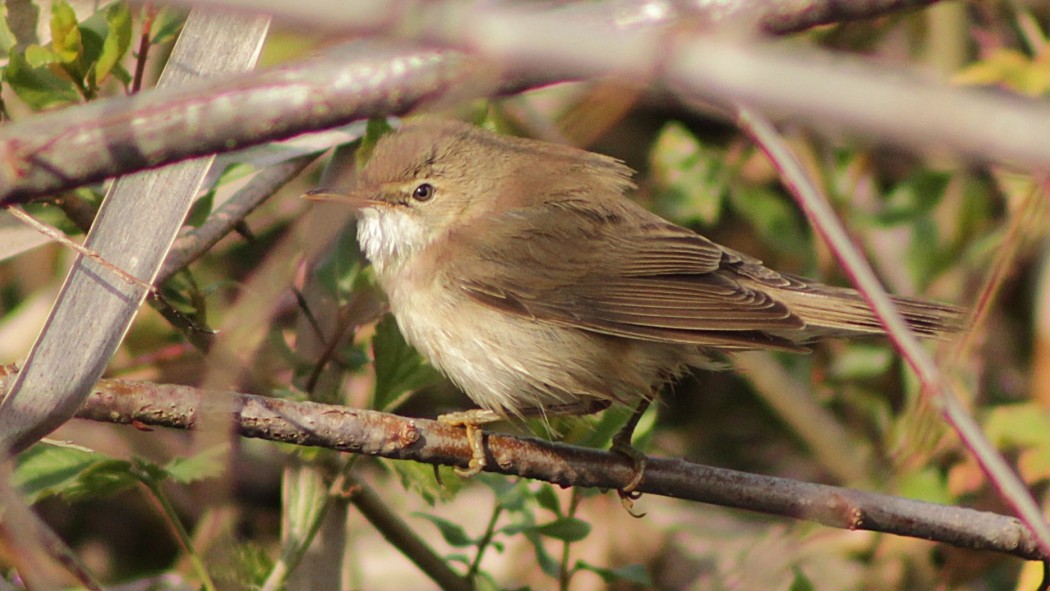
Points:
58	236
375	433
393	528
194	243
934	386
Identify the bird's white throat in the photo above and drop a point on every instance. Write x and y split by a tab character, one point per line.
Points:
390	237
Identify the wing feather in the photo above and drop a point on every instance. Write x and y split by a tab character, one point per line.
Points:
625	273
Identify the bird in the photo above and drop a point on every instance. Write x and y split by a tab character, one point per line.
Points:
523	272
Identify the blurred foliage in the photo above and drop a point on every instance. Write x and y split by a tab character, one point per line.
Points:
931	226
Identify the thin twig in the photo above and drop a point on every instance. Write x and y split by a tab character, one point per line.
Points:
193	243
61	238
182	536
150	13
1020	227
486	539
402	537
934	387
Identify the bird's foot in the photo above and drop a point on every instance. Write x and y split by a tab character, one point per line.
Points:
471	420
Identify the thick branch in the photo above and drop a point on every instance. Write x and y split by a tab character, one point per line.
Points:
391	436
771	16
61	150
120	135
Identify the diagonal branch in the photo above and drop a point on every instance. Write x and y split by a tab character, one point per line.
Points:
935	387
390	436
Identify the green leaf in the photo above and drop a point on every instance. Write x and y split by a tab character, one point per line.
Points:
102	479
377	128
399	369
116	42
452	532
7	36
927	485
484	581
65	34
632	573
340	272
1011	69
800	582
1022	424
76	473
47	469
240	565
549	566
201	210
206	464
548	499
40	88
913	198
419	478
566	529
691	181
167	24
1034	463
773	217
38	56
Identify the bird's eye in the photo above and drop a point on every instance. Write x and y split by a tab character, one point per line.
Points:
423	192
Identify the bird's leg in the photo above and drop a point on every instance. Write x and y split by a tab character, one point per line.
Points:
621	443
471	420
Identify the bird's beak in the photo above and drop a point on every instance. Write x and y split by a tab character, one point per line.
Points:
355	199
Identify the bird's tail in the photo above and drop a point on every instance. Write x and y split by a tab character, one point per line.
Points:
835	311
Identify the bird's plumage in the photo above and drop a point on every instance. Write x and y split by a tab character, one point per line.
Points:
527	245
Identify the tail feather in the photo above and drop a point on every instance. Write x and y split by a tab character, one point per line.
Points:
834	311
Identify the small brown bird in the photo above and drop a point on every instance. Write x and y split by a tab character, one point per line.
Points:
520	270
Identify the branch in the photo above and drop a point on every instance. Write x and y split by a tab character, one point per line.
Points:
195	242
115	136
777	17
667	52
61	150
390	436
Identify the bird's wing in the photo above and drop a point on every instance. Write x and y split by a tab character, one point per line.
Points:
626	273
